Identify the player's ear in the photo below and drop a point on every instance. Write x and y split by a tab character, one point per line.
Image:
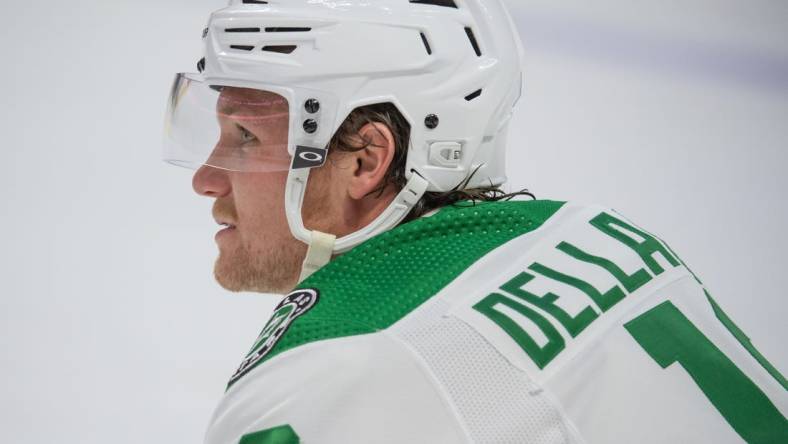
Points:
371	163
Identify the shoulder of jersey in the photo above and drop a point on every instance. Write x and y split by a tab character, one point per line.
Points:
381	281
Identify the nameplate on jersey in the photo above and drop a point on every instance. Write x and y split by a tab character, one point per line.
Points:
551	302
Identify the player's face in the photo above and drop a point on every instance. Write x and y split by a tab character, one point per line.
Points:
257	252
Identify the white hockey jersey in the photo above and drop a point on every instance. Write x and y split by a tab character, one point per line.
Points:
508	322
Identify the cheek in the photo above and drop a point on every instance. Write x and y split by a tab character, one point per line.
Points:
321	206
260	200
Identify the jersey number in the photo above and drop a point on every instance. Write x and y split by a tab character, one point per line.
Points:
669	337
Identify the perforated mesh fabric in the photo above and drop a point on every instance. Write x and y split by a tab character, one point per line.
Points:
387	277
497	402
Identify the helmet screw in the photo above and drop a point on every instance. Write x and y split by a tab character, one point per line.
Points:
310	126
312	106
431	121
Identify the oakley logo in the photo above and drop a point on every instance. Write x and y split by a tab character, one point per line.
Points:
308	157
311	157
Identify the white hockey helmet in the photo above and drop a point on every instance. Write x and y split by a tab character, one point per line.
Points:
453	68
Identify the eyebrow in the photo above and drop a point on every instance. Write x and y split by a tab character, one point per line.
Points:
229	107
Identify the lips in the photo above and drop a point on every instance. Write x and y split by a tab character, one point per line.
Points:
224	214
224	222
227	229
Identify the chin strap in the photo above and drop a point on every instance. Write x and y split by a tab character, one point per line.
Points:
319	253
322	246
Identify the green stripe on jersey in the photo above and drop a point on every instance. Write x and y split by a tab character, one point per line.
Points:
379	282
278	435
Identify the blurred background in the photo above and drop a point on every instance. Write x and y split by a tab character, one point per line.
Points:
112	329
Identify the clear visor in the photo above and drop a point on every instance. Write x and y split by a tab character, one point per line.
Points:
227	127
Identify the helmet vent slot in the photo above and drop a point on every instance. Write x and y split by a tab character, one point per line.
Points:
447	3
474	43
287	29
255	2
426	43
282	49
242	30
242	47
473	95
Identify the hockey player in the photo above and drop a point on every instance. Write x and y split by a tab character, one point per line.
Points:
355	151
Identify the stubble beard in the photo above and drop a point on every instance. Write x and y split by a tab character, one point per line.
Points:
273	271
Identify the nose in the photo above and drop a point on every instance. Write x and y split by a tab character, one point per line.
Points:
211	182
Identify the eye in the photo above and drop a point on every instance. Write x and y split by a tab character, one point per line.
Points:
246	136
